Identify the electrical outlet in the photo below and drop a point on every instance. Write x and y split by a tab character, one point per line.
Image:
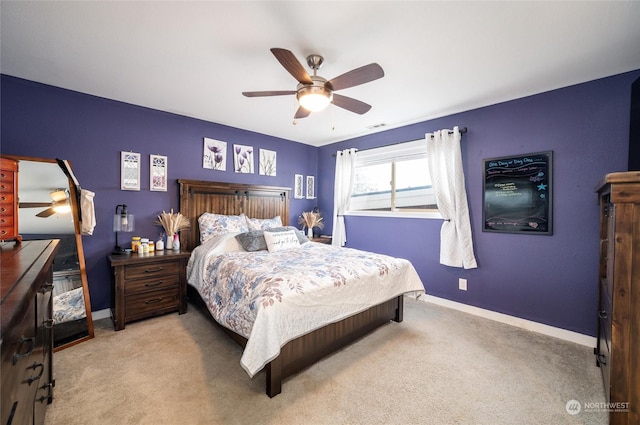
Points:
462	284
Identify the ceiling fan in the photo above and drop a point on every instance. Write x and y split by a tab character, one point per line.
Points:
59	204
314	92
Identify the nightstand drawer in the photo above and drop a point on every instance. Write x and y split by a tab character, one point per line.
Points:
151	284
151	303
151	269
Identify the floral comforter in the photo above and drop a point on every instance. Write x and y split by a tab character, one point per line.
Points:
273	297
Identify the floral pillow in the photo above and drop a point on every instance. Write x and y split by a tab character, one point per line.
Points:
264	224
212	225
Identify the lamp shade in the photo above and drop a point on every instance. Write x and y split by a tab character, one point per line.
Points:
122	220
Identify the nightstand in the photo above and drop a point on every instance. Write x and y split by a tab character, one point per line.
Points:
146	285
322	239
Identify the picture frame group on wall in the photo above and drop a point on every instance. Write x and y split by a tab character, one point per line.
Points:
517	194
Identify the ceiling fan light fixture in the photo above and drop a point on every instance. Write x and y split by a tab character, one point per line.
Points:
62	207
314	98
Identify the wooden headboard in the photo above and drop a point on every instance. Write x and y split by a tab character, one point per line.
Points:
198	196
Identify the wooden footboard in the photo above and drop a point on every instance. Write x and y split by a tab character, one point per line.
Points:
306	350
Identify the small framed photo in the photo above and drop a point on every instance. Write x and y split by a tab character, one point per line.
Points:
158	173
298	192
311	191
129	171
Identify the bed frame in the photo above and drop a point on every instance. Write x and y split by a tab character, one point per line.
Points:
197	197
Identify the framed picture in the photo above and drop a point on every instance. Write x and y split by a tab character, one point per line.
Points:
298	191
214	154
267	162
157	173
243	159
129	171
311	192
517	194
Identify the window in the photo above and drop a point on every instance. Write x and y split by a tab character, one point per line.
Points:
393	181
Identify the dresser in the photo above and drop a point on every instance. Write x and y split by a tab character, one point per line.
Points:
618	346
26	281
146	285
8	199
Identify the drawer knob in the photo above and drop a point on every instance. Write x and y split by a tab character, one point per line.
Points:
153	284
602	314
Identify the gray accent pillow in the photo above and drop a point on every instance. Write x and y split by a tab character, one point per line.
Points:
253	240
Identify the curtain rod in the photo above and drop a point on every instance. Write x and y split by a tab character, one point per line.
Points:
462	131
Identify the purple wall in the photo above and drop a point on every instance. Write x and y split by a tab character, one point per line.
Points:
547	279
49	122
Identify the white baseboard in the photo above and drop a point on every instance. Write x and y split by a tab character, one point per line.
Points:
529	325
101	314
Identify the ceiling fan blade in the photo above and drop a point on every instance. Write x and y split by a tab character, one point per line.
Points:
301	113
46	213
358	76
292	65
34	204
350	104
267	93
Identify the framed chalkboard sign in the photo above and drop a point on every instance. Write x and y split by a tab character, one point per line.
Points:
517	194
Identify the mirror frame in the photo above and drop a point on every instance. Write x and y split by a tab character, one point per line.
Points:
74	197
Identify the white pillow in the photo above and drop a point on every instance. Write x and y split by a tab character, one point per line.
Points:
278	241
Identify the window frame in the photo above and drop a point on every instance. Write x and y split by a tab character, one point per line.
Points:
392	154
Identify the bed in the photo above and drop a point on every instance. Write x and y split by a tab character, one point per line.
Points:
278	337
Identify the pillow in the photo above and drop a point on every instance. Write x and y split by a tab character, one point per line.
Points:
264	223
253	240
279	241
217	224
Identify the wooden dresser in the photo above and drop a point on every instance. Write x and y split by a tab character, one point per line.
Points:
8	199
618	349
146	285
26	280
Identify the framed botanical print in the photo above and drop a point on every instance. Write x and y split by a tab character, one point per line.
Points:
267	162
129	171
243	159
157	173
214	155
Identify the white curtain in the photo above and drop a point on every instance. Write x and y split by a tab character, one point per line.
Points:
344	179
447	177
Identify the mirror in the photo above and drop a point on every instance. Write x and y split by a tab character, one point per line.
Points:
45	193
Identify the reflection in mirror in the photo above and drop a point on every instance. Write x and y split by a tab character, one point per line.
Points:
48	209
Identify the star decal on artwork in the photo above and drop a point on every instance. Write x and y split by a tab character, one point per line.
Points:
542	186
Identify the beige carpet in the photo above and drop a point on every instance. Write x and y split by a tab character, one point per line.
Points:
439	366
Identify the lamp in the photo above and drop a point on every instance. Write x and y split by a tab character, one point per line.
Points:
314	97
122	222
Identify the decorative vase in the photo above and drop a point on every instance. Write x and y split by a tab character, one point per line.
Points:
310	232
169	244
176	242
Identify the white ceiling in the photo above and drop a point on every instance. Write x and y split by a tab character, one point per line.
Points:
195	58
